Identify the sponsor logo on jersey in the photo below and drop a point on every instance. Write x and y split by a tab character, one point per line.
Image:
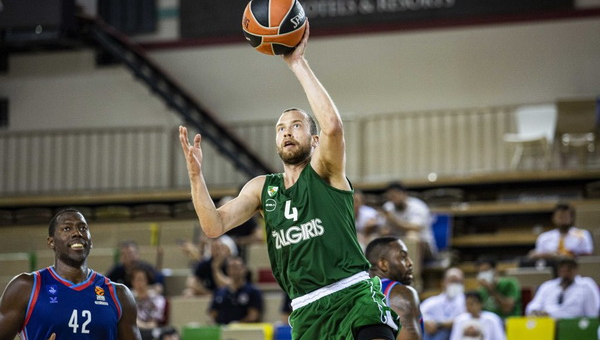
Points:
270	205
54	299
99	294
272	191
51	289
296	234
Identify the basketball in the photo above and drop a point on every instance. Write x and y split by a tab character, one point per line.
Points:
274	26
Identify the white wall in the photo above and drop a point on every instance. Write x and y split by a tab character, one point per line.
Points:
406	71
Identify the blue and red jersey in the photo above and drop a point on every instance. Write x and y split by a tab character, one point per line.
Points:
89	310
386	287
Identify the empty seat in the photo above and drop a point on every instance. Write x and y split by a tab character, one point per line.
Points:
186	310
247	331
530	277
113	212
6	217
15	263
257	258
577	329
577	126
589	266
535	129
33	215
151	211
282	332
175	282
197	332
442	196
522	328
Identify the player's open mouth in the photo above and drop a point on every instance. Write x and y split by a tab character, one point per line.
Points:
77	246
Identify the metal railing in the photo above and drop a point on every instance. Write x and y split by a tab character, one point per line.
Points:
379	148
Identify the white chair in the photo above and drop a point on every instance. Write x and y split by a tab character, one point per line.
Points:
535	128
577	126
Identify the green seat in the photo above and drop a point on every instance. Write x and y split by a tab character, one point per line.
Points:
577	328
201	333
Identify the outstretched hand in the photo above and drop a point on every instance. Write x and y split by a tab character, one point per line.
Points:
192	153
298	52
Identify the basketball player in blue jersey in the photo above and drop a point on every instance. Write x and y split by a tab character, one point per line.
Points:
67	300
390	261
309	220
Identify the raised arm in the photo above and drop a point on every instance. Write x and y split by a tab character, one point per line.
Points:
13	305
405	302
330	156
215	222
127	328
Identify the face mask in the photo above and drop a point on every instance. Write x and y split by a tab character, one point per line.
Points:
487	276
454	289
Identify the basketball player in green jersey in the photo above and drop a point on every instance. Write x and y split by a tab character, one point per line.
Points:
309	215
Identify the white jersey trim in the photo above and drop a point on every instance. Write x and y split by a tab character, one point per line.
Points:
315	295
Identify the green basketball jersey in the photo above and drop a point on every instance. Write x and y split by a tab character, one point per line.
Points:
310	232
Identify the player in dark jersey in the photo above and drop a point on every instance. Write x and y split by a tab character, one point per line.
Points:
67	300
309	217
390	261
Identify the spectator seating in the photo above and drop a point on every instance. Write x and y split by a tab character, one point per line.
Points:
197	332
522	328
282	332
247	331
530	277
186	310
14	263
589	266
577	329
175	281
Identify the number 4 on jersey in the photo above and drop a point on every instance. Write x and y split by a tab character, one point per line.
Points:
73	322
290	213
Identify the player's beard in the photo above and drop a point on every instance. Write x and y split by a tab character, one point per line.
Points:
296	156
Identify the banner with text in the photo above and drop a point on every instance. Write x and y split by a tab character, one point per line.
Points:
222	18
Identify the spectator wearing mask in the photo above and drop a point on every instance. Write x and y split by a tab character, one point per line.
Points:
567	296
477	324
500	295
439	311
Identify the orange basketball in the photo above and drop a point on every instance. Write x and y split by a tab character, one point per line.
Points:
274	26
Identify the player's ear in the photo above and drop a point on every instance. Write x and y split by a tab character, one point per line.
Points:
315	141
383	264
50	242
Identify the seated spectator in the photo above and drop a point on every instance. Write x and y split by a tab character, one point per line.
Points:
409	217
477	323
129	257
567	296
565	240
500	295
366	219
439	311
239	300
210	272
246	233
150	304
